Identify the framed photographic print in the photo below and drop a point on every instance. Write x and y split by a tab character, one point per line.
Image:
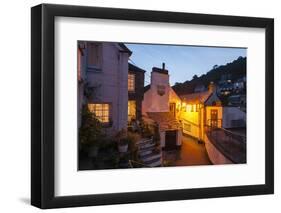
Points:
139	106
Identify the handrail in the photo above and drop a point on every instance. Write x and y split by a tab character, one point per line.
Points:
231	145
230	134
218	120
233	133
190	122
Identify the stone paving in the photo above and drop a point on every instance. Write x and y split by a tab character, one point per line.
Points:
191	153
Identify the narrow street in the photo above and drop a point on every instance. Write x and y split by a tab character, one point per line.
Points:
191	153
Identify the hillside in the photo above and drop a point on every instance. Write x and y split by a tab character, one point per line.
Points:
230	71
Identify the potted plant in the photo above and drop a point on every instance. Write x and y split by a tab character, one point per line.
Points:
121	140
123	145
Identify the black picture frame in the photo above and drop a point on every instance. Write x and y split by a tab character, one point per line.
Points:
43	102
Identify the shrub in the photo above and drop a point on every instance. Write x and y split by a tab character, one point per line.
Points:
150	130
133	139
90	132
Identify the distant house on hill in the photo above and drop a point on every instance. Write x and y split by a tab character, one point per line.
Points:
225	88
240	83
199	88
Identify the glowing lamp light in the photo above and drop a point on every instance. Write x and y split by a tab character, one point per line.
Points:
188	108
183	106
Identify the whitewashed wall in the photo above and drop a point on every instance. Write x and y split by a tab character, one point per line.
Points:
112	84
152	101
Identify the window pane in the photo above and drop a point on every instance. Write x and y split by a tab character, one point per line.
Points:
101	111
131	110
131	82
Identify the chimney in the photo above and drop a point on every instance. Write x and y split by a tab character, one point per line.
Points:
212	87
163	66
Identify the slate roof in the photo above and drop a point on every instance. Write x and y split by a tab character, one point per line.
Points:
195	98
135	68
165	120
125	48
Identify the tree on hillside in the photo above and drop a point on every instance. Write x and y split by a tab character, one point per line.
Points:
195	77
233	70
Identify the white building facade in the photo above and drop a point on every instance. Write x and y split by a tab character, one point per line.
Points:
104	86
160	105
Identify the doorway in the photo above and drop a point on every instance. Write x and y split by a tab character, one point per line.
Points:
173	109
214	118
171	139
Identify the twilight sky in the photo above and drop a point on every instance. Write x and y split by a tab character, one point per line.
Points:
182	61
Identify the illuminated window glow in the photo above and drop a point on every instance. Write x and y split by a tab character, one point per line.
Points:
131	82
101	111
131	110
188	108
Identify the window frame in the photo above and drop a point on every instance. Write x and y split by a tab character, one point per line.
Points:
131	116
109	122
134	82
98	66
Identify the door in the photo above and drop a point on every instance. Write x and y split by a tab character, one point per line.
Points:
173	109
171	139
214	118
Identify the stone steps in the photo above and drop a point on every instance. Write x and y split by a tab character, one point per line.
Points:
147	154
154	163
146	146
144	141
151	156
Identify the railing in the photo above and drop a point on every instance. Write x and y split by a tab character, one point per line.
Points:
214	123
234	135
190	122
230	144
229	135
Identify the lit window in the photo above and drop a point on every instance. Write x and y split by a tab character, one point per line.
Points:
192	108
131	82
101	111
131	110
189	108
197	107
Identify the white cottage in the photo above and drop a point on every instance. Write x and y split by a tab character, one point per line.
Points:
199	110
161	104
